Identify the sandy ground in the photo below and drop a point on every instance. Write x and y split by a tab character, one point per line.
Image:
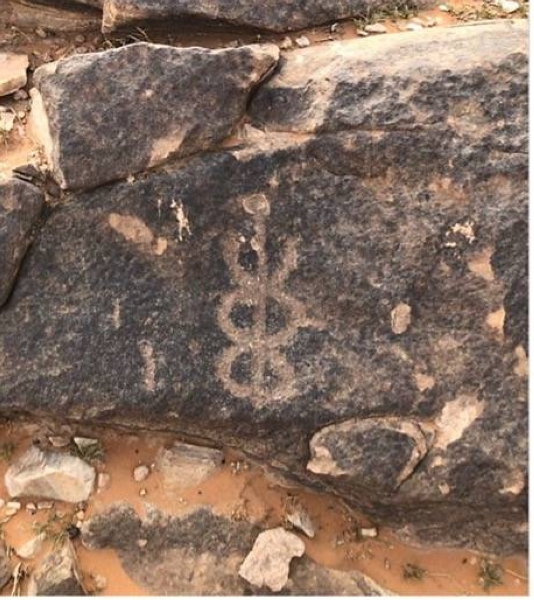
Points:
247	493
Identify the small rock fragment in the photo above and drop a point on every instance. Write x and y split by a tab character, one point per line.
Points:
369	532
267	564
20	95
58	441
444	8
56	575
414	27
31	508
184	465
103	481
7	120
31	547
376	28
86	444
12	72
508	6
50	475
401	317
142	543
302	41
45	505
301	520
100	582
286	43
143	492
362	33
141	473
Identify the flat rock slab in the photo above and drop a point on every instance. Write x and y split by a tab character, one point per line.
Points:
20	206
107	115
270	15
50	475
251	296
12	72
200	553
183	465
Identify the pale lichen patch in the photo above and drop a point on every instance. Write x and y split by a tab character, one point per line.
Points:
424	382
160	246
521	364
480	265
401	317
495	320
131	228
456	416
147	353
513	483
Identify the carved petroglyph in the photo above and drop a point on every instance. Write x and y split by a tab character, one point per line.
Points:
269	377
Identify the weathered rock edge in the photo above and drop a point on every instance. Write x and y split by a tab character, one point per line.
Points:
136	317
107	115
263	15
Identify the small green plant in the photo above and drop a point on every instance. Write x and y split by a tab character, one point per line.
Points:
6	451
490	574
89	452
56	528
413	571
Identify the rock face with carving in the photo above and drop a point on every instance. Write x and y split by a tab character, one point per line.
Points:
341	293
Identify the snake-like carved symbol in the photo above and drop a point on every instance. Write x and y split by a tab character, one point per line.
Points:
271	377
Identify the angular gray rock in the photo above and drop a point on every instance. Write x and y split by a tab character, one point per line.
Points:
20	206
200	553
184	465
271	15
12	72
50	475
246	296
104	116
56	575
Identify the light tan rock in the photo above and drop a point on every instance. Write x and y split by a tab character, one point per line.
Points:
50	475
12	72
267	564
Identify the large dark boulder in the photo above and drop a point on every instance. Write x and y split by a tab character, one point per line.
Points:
265	15
104	116
335	297
20	206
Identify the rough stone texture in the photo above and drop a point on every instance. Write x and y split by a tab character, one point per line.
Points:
104	116
12	72
55	16
200	554
271	15
56	575
183	465
380	453
50	475
20	206
5	566
245	296
267	564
